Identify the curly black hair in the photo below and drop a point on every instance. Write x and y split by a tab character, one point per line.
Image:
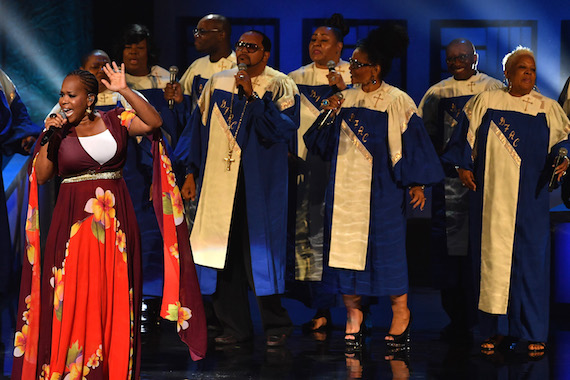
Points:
383	44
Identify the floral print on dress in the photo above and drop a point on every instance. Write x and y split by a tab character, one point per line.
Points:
179	314
126	118
76	370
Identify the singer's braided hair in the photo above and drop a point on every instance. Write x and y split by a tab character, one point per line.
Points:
88	81
383	44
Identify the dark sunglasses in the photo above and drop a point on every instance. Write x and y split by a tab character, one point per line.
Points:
248	46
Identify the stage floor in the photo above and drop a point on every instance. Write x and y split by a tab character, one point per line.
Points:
304	357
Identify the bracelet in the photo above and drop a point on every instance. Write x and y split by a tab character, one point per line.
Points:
422	186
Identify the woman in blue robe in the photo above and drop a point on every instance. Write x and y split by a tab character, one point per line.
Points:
379	151
505	152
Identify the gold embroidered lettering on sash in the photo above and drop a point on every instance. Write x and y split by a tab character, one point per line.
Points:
359	145
503	139
316	97
511	135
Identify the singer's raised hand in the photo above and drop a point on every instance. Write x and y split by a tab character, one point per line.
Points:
55	120
335	79
243	79
334	102
173	91
116	75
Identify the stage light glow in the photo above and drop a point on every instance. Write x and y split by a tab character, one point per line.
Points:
17	32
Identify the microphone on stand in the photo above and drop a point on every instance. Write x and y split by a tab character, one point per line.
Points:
49	133
173	70
326	116
562	152
331	66
241	92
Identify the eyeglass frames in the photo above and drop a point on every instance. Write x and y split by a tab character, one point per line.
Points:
201	32
354	64
461	58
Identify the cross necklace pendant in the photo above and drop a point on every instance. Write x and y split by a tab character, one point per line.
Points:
233	141
229	160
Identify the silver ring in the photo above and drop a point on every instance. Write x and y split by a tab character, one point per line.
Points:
241	76
53	116
563	173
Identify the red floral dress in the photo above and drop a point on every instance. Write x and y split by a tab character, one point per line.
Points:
79	313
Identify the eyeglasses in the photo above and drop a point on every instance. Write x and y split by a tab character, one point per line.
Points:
201	32
354	64
461	58
248	46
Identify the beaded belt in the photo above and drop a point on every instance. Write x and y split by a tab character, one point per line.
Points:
91	176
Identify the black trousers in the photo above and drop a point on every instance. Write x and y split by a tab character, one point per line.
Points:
230	300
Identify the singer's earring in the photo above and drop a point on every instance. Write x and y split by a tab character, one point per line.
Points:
88	111
536	88
373	80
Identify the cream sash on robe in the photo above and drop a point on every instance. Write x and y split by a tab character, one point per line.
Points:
210	234
308	115
351	209
500	198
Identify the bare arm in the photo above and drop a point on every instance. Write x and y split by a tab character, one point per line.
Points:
147	119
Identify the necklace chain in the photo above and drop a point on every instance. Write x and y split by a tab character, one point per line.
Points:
232	142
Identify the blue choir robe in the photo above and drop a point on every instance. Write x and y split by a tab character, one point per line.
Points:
15	124
509	143
265	128
198	73
440	109
138	170
380	130
312	175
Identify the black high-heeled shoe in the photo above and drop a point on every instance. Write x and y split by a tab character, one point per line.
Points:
356	344
401	340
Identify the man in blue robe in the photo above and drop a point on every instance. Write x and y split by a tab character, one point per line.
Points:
17	135
212	37
440	109
237	149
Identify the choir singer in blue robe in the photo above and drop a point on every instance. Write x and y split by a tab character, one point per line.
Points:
507	143
379	151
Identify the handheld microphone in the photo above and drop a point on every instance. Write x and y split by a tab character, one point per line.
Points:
326	117
49	133
173	70
562	152
241	92
331	66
